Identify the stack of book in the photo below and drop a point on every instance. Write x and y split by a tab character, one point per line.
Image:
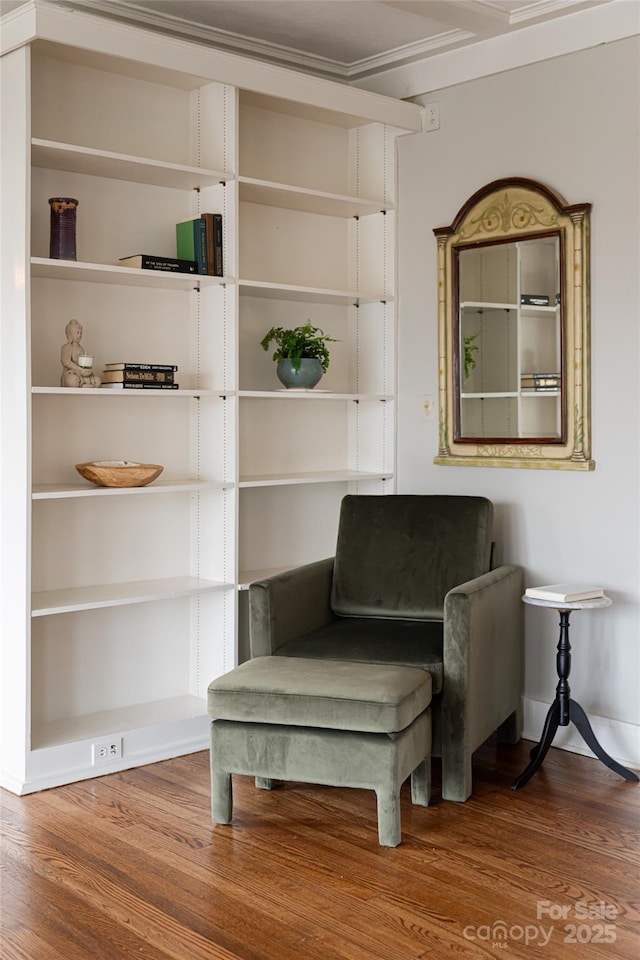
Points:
540	381
564	592
139	376
200	239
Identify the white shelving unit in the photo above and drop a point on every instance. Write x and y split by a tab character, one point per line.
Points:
121	605
514	340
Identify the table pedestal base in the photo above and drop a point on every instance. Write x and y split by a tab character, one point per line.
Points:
578	717
564	711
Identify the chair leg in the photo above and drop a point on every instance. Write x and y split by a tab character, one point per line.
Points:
221	797
264	783
421	783
510	731
389	827
456	775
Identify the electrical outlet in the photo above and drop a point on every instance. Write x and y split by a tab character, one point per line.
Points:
105	751
432	116
428	407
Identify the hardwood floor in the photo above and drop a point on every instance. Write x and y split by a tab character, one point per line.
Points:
130	866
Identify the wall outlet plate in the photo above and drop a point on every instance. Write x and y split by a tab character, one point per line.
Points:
432	116
106	751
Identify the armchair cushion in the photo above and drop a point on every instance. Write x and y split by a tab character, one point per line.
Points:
399	556
408	643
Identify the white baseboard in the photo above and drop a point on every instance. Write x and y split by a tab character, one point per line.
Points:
620	740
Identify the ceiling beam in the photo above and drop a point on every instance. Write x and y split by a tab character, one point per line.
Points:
476	16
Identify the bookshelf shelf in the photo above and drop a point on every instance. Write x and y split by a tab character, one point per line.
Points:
124	276
59	491
310	201
120	166
487	305
316	394
539	393
498	394
51	602
284	291
320	476
528	309
128	394
158	713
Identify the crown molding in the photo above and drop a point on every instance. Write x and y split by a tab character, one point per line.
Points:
408	53
164	23
125	11
405	71
605	23
538	8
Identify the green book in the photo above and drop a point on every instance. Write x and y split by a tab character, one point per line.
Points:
191	242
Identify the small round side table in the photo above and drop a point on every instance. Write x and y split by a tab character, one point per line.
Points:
564	710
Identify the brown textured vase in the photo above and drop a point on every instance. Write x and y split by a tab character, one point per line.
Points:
62	240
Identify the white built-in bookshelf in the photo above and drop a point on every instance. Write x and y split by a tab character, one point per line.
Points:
121	605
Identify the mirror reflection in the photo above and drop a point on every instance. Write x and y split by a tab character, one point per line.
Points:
509	344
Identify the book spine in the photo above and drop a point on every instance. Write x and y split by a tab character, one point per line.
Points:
208	218
167	367
140	386
137	376
218	263
200	240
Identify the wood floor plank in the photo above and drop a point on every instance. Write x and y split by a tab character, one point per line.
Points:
130	865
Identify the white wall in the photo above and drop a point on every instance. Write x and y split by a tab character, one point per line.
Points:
571	122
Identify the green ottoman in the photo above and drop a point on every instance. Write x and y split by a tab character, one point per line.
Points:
334	722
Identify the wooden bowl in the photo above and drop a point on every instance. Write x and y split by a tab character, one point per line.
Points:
119	473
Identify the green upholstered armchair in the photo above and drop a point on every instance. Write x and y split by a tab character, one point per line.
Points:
411	583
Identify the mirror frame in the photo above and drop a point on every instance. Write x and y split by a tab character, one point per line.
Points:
511	209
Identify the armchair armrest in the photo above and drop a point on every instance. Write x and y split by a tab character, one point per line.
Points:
483	664
289	605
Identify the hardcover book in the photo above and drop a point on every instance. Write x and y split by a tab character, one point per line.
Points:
535	300
564	592
147	261
124	365
214	244
140	386
191	242
137	376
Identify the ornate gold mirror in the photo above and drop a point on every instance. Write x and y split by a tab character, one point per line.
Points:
513	330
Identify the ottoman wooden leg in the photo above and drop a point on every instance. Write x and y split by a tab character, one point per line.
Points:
389	827
421	783
264	783
221	797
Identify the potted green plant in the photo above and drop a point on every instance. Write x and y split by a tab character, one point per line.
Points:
301	353
470	348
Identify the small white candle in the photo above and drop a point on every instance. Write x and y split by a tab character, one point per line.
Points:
84	360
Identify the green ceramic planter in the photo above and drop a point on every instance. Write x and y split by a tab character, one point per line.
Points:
305	377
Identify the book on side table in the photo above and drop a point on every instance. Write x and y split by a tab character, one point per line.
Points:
564	592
